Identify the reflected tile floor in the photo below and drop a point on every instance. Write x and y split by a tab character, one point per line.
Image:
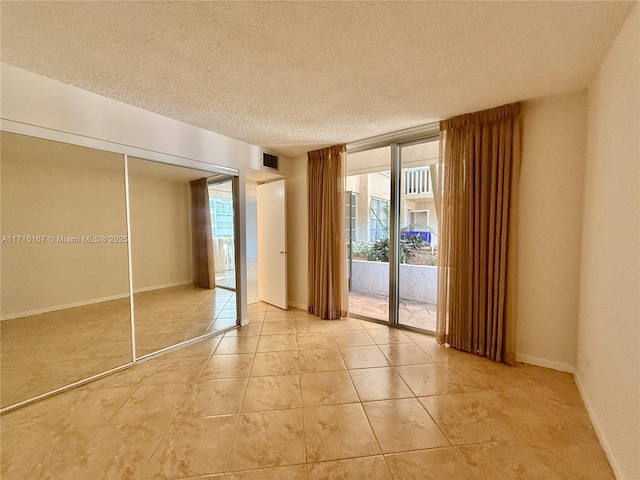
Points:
294	397
43	352
228	279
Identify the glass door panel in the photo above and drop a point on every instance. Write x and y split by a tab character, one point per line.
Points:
418	239
367	222
64	276
222	223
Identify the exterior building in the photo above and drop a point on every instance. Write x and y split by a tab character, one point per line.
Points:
367	205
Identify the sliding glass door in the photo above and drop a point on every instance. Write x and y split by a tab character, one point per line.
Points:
391	227
368	201
418	236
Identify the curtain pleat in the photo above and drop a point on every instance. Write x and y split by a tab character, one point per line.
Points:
327	284
477	194
201	235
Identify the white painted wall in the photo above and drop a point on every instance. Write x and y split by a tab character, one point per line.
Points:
53	190
551	179
160	231
608	367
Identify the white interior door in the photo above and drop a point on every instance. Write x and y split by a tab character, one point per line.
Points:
272	244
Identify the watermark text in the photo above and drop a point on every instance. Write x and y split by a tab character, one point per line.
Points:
63	239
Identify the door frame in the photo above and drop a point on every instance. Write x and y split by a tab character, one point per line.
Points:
284	301
396	141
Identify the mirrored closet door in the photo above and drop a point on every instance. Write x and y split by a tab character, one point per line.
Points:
84	229
170	304
64	279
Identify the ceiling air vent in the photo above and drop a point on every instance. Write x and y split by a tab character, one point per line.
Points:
270	161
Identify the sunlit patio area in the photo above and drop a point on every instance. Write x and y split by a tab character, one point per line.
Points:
414	314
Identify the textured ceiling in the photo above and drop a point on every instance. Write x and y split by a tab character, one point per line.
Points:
294	76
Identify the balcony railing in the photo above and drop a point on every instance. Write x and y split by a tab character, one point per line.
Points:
417	181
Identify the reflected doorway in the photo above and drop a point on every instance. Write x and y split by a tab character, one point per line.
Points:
222	231
169	308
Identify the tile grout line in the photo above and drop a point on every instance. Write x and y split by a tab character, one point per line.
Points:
225	465
460	372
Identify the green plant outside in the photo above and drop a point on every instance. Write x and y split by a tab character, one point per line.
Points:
413	250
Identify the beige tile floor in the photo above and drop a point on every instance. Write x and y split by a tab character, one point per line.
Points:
294	397
252	280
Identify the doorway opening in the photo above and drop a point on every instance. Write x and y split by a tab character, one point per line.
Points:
272	244
265	218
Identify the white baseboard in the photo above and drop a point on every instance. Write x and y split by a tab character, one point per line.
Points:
64	307
301	306
159	287
564	367
608	451
84	303
543	362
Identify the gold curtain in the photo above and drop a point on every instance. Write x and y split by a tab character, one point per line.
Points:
201	235
478	192
327	255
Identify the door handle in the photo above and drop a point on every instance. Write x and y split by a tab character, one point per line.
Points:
283	252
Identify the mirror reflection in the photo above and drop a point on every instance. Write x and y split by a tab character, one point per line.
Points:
180	246
64	275
220	191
